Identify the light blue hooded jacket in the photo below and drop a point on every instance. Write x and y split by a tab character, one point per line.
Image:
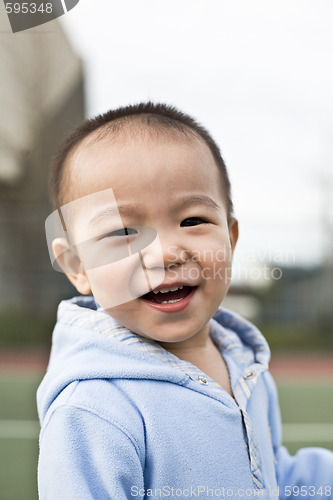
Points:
123	418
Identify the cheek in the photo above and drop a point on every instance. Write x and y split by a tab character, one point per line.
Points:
216	251
119	282
215	263
122	281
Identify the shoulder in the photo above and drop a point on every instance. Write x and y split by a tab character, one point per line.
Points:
86	447
100	401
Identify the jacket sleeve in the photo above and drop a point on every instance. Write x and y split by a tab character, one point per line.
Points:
311	468
82	456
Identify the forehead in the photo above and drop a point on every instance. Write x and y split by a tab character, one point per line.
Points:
139	160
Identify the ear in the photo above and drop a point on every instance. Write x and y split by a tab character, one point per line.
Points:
233	233
69	261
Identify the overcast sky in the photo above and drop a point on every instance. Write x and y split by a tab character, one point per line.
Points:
258	75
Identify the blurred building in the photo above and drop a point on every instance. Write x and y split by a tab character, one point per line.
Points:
41	99
302	297
243	300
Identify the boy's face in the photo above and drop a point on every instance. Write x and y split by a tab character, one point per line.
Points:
174	187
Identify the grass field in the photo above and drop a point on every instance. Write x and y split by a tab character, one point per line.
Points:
307	409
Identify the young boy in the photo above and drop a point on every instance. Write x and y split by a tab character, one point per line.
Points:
151	389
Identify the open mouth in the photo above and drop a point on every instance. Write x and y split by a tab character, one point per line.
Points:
168	295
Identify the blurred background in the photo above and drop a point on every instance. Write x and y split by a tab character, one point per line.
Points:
259	76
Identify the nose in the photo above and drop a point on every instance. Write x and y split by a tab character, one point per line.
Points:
167	250
174	255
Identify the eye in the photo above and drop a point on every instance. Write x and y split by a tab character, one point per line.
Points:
193	221
124	231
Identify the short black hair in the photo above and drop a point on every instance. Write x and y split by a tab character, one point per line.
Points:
156	115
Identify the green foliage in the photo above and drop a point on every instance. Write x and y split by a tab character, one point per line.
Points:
25	329
318	338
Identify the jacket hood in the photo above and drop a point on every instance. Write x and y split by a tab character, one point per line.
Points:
87	343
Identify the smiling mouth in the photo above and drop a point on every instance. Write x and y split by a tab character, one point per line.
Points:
168	297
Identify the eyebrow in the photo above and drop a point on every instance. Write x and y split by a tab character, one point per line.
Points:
115	210
185	202
198	199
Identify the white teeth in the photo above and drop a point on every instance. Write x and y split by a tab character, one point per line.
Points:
166	290
170	301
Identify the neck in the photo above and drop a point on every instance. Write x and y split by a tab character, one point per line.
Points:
197	345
